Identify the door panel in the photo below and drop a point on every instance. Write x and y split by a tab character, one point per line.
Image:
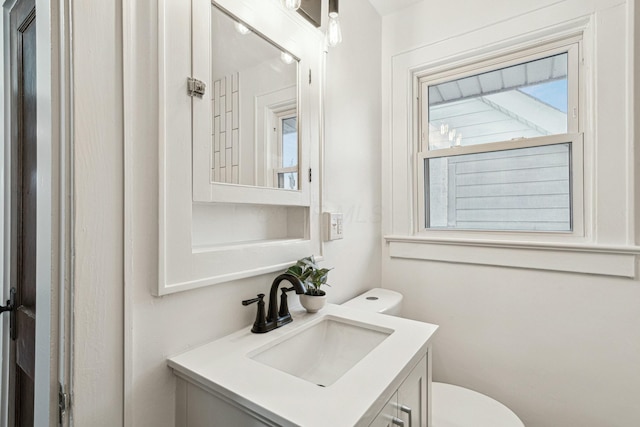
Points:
412	396
24	406
23	206
25	349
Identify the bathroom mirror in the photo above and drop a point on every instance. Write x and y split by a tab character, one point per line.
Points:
254	93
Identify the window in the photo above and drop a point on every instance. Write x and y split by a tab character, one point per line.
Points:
286	167
500	147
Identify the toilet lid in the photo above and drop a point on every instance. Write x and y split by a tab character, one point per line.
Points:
377	300
455	406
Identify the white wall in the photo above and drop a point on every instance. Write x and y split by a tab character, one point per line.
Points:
352	152
560	349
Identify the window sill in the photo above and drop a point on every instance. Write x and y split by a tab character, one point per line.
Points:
601	260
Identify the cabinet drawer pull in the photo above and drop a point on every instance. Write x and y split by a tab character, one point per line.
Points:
407	411
397	422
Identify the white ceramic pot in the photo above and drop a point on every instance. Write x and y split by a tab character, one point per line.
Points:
313	303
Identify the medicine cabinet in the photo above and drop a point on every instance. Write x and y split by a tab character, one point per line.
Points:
240	134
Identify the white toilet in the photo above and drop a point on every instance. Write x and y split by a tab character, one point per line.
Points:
452	406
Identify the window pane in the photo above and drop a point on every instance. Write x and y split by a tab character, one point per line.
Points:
521	101
525	189
288	180
289	142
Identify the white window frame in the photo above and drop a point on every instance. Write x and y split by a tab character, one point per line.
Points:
574	136
276	149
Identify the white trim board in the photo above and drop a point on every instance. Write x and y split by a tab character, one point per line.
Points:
588	259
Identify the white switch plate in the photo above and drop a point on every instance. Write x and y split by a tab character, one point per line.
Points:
333	226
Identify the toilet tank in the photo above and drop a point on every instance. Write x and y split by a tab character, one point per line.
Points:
379	300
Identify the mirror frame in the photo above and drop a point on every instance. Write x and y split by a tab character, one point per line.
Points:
180	266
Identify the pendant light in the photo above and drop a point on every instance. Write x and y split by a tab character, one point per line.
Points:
291	4
334	33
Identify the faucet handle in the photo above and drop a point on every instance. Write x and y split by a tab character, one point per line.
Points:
260	324
251	301
284	307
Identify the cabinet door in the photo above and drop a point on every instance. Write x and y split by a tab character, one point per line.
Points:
388	414
412	397
196	407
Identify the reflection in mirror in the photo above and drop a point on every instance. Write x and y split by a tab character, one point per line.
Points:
255	108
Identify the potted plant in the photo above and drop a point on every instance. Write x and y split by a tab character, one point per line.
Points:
313	277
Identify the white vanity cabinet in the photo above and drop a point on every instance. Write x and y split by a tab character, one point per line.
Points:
197	407
409	405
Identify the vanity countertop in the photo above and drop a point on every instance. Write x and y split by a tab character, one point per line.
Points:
225	369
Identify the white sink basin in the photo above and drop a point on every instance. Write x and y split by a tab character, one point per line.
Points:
324	351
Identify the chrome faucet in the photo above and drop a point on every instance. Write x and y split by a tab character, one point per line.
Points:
275	317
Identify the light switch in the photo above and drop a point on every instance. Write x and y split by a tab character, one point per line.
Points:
334	226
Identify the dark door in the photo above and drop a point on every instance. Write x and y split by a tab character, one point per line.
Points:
23	207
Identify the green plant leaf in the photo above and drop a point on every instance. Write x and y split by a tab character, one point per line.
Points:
308	262
310	274
295	270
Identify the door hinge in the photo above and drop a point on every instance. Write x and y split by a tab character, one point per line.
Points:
63	403
195	87
309	174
